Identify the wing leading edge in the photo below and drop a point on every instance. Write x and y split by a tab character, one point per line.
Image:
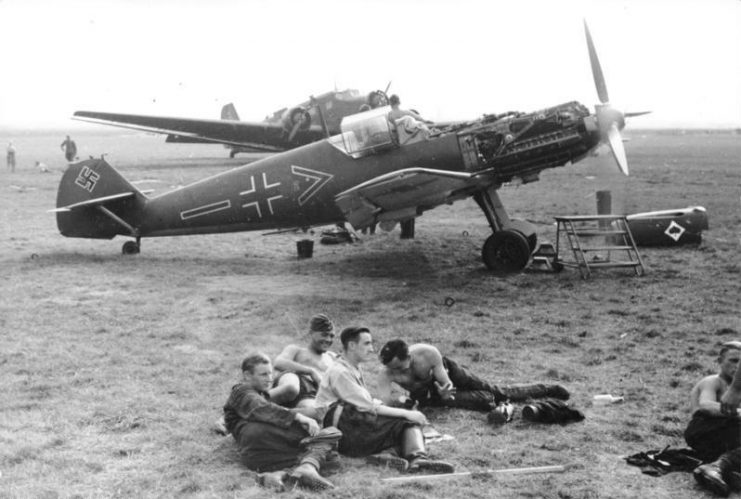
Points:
406	194
267	137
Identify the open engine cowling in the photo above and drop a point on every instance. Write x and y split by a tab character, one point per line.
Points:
296	116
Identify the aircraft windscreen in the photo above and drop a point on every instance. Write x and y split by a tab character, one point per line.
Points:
350	94
365	133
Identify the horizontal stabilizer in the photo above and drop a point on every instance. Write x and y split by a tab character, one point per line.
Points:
93	202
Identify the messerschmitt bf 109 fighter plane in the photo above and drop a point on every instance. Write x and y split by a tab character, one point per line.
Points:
371	172
287	128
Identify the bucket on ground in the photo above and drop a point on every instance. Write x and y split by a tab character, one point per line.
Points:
305	248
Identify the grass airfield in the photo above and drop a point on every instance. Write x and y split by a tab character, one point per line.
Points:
115	367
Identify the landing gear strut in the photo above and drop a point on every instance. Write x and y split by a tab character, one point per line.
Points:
131	247
509	248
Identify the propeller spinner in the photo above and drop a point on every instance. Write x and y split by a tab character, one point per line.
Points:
609	120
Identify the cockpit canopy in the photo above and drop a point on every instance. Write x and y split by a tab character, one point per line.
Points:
365	133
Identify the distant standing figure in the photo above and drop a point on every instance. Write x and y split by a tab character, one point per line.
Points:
11	157
70	149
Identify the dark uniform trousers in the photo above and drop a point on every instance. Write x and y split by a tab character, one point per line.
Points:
265	447
711	435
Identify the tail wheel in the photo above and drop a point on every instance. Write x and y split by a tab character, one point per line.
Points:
130	248
506	251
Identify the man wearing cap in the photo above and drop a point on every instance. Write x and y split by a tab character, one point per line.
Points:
300	369
714	431
432	379
387	435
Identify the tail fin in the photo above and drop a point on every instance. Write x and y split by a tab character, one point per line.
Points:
95	201
229	112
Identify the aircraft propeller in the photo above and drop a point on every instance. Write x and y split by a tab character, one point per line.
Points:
609	120
295	128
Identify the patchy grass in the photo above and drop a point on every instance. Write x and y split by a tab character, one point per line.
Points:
114	368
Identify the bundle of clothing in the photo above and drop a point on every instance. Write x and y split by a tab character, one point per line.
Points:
660	462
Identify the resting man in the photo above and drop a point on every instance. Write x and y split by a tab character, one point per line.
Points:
409	125
434	380
369	427
300	369
272	438
714	429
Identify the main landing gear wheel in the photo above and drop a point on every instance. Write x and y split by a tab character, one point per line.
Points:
130	248
527	230
506	251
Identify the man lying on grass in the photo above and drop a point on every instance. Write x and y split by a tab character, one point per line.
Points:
287	446
388	435
714	429
435	380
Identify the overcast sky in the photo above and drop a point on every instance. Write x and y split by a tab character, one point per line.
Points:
448	59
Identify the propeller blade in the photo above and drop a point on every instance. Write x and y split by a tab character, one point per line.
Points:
636	113
599	78
618	151
387	87
294	130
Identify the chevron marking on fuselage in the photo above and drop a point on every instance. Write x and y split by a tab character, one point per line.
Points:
319	178
205	209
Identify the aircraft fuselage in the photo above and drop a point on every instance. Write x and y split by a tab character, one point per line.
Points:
292	189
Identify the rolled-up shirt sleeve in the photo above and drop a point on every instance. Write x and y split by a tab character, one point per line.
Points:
254	407
349	389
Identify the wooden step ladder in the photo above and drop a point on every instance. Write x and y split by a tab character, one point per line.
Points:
592	240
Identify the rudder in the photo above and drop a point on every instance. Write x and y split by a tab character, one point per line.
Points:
87	190
229	112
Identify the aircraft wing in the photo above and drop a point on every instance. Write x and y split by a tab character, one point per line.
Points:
268	137
405	194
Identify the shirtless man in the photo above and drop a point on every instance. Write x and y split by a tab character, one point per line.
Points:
434	380
396	112
714	433
300	369
410	126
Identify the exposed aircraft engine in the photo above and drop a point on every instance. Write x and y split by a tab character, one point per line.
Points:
296	118
520	145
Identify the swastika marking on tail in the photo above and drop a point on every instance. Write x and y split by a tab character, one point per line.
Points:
87	179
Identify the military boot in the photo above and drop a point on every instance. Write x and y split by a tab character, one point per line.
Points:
307	476
413	450
710	477
389	460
